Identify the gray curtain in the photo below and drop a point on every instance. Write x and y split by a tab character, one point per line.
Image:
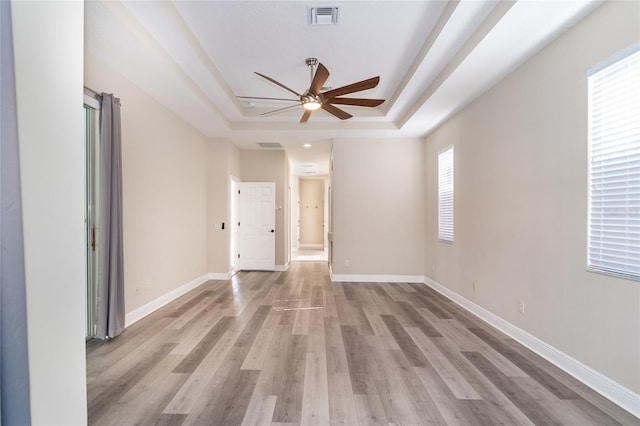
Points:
110	291
14	366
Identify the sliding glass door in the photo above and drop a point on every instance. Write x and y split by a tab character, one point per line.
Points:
92	150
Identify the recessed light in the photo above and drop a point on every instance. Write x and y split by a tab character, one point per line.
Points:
307	145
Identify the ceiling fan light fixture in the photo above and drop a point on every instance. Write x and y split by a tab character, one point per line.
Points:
311	105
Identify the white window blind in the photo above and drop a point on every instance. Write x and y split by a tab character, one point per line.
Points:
445	195
614	203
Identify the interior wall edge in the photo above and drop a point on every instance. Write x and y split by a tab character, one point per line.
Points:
49	97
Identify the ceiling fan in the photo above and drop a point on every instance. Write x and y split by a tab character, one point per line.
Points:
313	99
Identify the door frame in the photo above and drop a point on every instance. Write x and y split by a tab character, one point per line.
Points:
234	218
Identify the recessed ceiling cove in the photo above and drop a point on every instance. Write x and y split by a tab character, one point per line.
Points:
432	58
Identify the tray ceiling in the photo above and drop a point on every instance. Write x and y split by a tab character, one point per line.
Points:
433	58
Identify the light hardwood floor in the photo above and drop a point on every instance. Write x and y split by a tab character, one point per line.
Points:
291	347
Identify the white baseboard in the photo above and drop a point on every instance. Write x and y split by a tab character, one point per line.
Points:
311	246
143	311
608	388
277	268
355	278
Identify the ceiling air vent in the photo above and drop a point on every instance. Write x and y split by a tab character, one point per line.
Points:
270	144
326	15
306	169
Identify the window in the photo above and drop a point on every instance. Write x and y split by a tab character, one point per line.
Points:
445	195
614	166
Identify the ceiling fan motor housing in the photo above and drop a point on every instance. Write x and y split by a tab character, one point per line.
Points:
311	102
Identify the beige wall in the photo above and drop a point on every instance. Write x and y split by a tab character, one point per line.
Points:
271	166
164	191
521	203
294	183
311	211
378	189
223	162
48	53
217	207
233	160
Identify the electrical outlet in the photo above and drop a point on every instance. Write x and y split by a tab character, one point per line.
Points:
475	286
346	262
521	306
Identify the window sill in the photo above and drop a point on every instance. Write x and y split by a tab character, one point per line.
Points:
613	274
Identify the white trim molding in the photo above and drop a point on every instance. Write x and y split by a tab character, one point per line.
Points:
143	311
608	388
277	268
355	278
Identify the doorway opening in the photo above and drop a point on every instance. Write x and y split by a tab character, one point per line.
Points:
312	212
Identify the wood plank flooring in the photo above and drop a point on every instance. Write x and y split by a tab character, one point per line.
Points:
292	348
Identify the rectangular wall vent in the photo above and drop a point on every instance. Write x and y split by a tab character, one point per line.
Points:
305	169
326	15
270	144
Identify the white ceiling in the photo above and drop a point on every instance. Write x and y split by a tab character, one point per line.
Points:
433	58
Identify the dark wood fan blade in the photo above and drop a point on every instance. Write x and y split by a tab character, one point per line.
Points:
275	111
268	99
352	88
342	115
356	101
278	84
321	76
305	116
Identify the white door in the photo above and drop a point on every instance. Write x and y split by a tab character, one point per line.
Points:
257	226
